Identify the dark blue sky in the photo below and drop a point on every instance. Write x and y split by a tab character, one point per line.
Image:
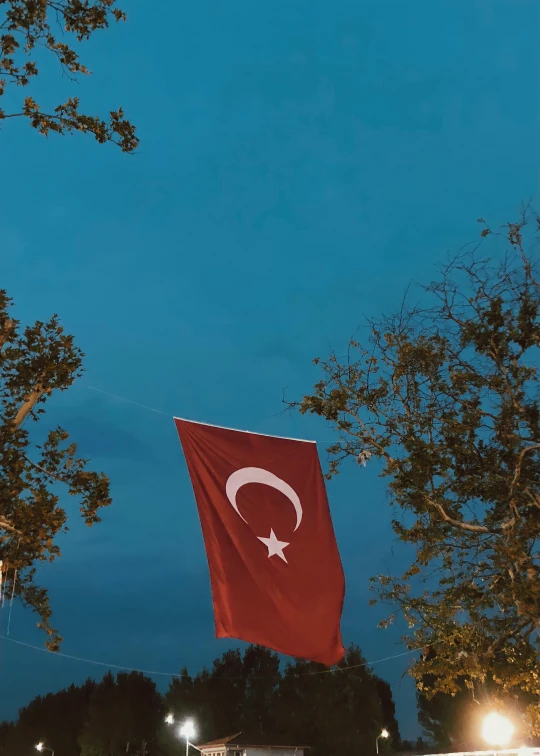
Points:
301	161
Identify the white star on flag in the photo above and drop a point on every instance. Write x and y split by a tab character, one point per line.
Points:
275	547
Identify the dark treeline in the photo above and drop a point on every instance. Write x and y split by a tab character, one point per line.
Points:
303	704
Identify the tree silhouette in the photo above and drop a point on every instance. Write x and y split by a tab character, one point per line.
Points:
35	363
330	711
446	394
25	27
388	710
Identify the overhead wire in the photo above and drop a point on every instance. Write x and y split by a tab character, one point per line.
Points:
159	673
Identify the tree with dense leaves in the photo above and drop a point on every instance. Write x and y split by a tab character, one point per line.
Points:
333	712
55	718
454	722
35	362
186	699
446	396
236	695
247	693
263	676
123	716
26	27
388	711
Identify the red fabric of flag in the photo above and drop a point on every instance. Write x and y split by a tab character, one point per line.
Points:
275	569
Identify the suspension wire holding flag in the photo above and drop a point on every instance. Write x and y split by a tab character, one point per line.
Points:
159	673
129	401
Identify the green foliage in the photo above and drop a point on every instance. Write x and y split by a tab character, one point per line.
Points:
388	710
34	363
334	712
305	705
236	695
56	717
454	722
28	25
123	716
446	396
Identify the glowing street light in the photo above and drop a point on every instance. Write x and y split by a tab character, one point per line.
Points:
42	747
384	734
187	731
497	730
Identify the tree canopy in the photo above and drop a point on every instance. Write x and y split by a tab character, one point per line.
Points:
35	362
27	27
305	704
445	394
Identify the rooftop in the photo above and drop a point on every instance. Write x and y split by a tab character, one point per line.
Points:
239	740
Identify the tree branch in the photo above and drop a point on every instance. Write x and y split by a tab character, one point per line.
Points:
28	406
457	523
5	333
5	525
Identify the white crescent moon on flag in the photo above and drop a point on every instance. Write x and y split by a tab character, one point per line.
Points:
258	475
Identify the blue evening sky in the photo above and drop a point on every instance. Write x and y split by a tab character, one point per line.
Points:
301	161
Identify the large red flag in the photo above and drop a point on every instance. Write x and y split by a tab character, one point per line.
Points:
275	569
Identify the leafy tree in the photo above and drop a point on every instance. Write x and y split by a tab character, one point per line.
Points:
55	718
445	718
35	362
123	716
26	26
330	711
236	695
99	734
186	699
225	691
453	722
262	676
336	712
446	396
388	711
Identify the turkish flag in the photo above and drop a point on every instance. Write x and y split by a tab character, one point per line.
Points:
275	569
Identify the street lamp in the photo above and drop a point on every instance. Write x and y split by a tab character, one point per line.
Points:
497	730
42	747
187	731
384	734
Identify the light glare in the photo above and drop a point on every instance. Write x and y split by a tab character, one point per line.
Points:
187	730
497	730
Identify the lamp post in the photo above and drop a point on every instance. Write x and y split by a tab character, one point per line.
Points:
384	734
497	730
42	747
187	731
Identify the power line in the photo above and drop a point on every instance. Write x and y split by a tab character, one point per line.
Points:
159	673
